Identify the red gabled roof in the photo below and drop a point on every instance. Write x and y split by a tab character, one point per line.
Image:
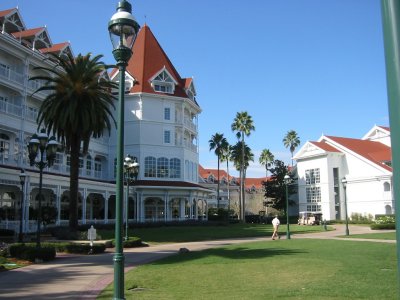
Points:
147	60
325	146
374	151
55	48
28	32
6	12
256	182
385	127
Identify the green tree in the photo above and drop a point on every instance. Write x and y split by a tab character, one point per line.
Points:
266	159
243	125
77	108
237	155
291	141
218	143
275	191
226	156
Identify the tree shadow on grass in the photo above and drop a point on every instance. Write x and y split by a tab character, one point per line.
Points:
240	252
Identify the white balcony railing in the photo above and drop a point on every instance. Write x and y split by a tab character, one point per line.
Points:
11	109
11	75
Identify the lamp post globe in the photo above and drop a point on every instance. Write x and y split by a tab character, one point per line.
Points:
123	30
41	144
287	182
131	171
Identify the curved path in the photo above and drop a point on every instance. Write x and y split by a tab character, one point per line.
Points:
83	277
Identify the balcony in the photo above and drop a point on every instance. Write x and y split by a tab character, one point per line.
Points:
34	85
188	123
13	76
11	109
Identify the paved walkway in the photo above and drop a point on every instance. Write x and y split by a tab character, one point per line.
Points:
83	277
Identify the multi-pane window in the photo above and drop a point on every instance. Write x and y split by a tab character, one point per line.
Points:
97	167
150	166
167	137
314	207
162	167
163	83
313	194
88	165
312	176
175	168
167	113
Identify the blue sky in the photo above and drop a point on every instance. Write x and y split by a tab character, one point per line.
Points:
313	66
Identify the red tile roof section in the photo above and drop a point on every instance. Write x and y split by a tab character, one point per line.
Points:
28	32
55	48
6	12
384	127
374	151
325	146
147	60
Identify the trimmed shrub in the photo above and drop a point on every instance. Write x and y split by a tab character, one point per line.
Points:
132	242
383	226
31	253
85	248
6	232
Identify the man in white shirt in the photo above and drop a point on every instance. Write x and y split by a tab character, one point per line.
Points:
276	223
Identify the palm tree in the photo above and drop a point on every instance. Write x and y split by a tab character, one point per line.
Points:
243	125
77	108
218	143
241	161
266	159
226	156
291	141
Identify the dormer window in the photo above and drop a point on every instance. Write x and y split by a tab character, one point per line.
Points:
163	82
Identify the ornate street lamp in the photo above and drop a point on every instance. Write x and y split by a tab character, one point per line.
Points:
41	143
131	172
123	30
344	182
287	182
22	177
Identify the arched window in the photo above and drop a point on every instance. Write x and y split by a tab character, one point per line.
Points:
175	168
150	166
386	187
162	167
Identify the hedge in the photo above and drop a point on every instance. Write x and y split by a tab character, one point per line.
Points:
31	253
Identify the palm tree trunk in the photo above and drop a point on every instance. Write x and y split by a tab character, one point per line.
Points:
242	182
218	186
73	185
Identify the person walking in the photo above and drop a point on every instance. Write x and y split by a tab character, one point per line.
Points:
276	223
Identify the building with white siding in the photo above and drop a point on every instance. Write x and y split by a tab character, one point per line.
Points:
365	164
161	130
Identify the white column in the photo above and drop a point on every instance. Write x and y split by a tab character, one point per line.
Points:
106	207
167	213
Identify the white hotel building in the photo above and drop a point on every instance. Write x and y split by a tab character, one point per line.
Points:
161	130
366	165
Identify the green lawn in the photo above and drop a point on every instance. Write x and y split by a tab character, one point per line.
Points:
377	235
285	269
171	234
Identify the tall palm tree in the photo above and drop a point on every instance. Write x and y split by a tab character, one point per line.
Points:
241	156
218	143
243	125
226	156
77	108
266	159
291	141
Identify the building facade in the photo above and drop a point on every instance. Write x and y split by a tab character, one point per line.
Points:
161	130
364	163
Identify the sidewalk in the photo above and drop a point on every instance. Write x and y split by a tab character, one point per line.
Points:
83	277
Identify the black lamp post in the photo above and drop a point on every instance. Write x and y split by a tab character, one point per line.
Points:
123	30
22	177
131	171
344	182
287	181
41	142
